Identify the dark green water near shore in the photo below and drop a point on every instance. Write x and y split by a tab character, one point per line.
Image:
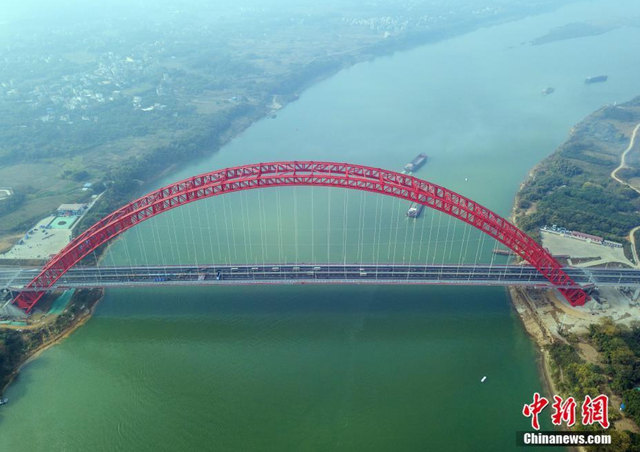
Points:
335	368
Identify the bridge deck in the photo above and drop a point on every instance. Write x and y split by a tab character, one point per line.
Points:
91	277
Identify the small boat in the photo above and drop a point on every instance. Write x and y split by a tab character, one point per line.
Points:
483	379
596	79
4	401
548	90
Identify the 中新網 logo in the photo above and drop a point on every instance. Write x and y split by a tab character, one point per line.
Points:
593	410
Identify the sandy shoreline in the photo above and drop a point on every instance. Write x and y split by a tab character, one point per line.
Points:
77	323
538	332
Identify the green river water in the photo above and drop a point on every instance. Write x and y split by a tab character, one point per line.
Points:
342	367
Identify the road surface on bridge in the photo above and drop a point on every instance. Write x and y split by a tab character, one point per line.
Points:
494	275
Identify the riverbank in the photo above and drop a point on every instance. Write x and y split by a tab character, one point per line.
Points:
36	338
569	338
573	187
541	336
537	330
574	360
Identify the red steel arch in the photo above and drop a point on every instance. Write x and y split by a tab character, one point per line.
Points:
302	173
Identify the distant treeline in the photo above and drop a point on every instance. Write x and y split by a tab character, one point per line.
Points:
125	180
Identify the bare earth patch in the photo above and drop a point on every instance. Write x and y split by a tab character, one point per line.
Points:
582	250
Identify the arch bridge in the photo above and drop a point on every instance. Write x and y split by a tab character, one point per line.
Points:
301	173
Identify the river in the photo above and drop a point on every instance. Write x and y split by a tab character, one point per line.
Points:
336	368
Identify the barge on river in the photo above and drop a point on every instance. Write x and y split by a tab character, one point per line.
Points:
416	163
